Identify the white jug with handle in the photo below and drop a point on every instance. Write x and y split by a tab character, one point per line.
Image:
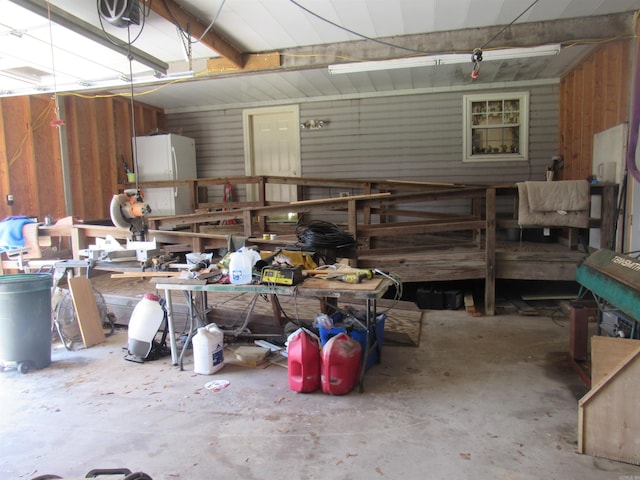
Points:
241	265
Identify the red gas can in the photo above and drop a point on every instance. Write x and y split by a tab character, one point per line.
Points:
340	363
303	361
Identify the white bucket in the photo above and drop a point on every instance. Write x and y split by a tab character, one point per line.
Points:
208	345
144	323
241	266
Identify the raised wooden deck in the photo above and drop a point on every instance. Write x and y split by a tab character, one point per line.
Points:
422	232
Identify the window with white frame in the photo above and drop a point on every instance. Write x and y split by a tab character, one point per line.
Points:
496	127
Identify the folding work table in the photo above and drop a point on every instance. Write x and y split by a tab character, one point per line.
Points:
368	292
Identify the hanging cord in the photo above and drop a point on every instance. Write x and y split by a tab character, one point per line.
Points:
186	44
58	121
507	26
381	42
212	22
476	57
134	144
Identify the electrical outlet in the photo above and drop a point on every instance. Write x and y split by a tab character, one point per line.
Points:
9	199
344	194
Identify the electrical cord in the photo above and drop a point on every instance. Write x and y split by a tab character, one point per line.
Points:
507	26
381	42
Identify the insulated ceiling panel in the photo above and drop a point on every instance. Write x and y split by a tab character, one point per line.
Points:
256	26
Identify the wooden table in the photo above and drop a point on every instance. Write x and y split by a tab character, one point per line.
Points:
368	292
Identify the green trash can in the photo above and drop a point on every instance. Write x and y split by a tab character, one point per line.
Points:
25	320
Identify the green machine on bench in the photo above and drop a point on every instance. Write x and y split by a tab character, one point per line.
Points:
613	279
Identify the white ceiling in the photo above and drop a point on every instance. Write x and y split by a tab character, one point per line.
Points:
254	26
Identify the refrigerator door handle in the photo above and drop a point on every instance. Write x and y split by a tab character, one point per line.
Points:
175	170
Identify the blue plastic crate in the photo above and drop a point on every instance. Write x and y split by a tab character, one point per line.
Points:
360	335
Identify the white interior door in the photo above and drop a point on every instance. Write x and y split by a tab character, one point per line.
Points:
272	147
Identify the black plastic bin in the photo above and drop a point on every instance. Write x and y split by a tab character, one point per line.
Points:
25	320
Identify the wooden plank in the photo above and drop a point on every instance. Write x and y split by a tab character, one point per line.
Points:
5	185
86	308
145	274
490	253
399	229
523	307
341	199
607	353
609	425
254	61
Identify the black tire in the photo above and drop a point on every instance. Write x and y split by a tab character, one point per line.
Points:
24	367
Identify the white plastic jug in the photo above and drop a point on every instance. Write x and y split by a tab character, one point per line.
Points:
144	323
241	265
218	340
208	351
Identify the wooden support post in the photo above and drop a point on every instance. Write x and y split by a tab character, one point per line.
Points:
608	220
490	252
277	311
78	242
476	211
366	213
352	215
246	223
262	200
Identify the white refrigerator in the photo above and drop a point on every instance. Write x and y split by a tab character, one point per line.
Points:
166	157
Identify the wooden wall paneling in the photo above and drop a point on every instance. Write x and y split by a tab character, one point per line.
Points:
597	94
106	157
89	160
122	136
625	82
22	178
47	157
5	210
563	125
140	120
98	134
588	113
613	70
75	114
594	96
150	120
577	140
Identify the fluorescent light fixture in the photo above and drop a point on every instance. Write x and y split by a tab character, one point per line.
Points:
445	59
118	83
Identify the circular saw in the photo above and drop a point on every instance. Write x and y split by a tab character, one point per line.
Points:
129	211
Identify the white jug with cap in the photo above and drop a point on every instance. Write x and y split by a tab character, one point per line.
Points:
241	264
146	318
208	347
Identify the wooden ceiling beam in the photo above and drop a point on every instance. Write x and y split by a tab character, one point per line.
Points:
171	11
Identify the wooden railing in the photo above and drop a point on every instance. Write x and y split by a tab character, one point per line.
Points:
422	231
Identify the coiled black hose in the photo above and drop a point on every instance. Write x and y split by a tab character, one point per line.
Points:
321	234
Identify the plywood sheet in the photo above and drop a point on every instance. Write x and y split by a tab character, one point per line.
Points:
86	308
607	353
608	424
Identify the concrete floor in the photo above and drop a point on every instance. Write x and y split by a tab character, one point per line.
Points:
480	398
